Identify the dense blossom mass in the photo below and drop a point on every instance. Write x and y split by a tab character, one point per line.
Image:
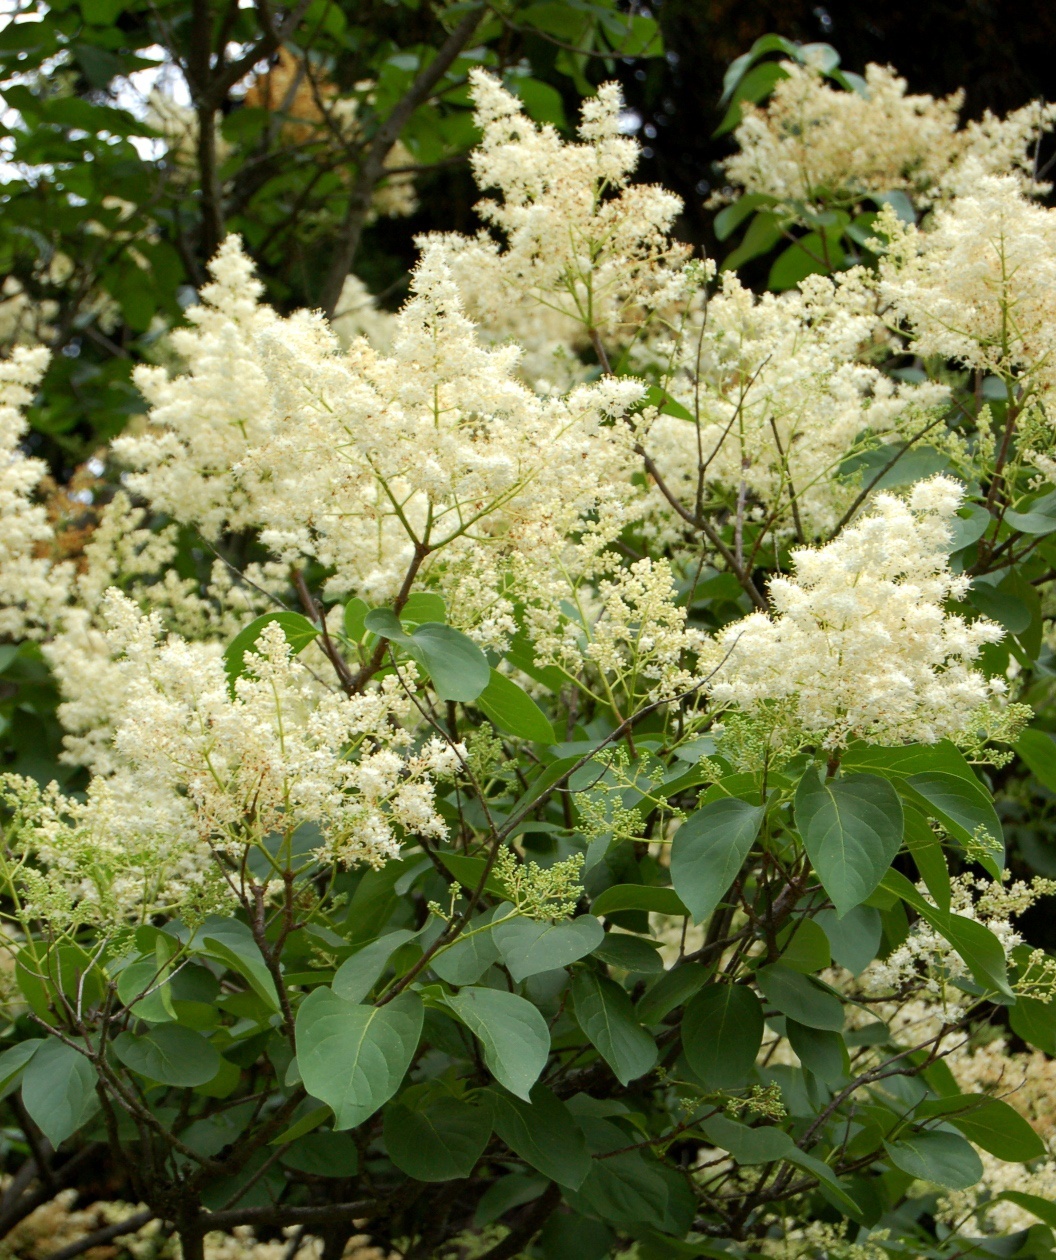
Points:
570	586
859	645
814	142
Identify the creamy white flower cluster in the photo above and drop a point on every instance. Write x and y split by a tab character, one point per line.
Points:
977	286
435	458
814	142
200	770
572	232
631	635
31	589
859	645
280	752
780	395
416	458
203	422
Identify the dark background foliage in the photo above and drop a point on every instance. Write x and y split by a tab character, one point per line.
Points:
998	52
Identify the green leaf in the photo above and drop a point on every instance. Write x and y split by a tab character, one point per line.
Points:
471	953
299	632
513	1034
852	830
1000	606
630	1190
512	710
231	942
604	1012
855	939
928	855
665	404
709	849
543	1133
423	606
139	977
440	1141
169	1054
354	1057
312	1119
969	525
945	1159
989	1123
1043	1209
763	233
730	217
1038	750
358	974
101	12
323	1155
722	1030
809	255
975	943
638	897
909	759
459	670
753	86
1039	518
748	1145
1035	1022
508	1191
820	1050
897	200
543	102
890	466
804	946
737	68
629	953
564	21
670	991
826	1176
528	947
634	35
800	998
355	617
468	870
58	1090
224	1083
13	1060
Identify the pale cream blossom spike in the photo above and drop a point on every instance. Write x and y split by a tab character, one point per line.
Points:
573	235
859	645
978	285
362	461
202	423
815	142
32	589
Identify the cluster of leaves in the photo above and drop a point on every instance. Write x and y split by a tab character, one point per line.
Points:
463	1037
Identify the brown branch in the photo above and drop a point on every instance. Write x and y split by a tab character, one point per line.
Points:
867	490
328	1214
105	1235
376	661
24	1201
707	529
315	613
372	168
209	86
800	535
526	1229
